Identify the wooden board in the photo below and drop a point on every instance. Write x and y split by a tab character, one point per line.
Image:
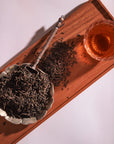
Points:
83	74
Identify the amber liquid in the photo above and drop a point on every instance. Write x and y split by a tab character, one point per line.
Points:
100	41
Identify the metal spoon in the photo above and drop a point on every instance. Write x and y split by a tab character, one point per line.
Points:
32	69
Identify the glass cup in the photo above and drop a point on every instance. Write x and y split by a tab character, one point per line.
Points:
99	40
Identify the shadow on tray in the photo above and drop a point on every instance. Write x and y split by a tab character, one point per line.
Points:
39	33
8	128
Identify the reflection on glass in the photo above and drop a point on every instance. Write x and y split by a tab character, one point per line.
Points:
99	40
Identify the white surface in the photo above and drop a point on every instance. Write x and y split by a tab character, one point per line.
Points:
87	119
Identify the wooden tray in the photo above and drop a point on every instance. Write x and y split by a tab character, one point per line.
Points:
84	73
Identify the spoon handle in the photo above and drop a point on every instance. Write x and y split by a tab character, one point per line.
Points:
46	45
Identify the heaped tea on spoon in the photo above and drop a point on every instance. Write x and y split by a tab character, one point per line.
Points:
26	93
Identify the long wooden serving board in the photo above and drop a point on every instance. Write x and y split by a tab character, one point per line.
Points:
83	74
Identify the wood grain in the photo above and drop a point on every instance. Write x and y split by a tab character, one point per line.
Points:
83	74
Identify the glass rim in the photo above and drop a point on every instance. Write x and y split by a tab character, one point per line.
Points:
88	50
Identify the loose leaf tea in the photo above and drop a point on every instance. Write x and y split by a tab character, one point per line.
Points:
58	61
25	93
